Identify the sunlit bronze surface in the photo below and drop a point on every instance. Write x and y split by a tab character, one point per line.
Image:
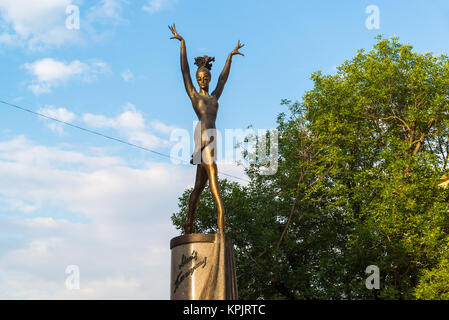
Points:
202	268
205	106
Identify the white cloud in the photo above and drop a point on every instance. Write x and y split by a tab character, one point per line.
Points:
22	151
99	121
42	24
130	119
48	73
37	23
107	9
130	123
123	248
61	114
162	127
127	75
20	205
49	70
8	39
146	140
65	207
154	6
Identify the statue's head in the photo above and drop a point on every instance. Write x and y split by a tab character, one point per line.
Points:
203	75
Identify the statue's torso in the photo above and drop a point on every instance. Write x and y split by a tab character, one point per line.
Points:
206	108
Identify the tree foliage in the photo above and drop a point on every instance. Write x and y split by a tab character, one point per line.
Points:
360	159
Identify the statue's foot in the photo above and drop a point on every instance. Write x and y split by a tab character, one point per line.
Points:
188	228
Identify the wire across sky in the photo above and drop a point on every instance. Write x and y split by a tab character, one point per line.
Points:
106	136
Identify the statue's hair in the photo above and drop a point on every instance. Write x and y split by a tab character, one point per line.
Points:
204	62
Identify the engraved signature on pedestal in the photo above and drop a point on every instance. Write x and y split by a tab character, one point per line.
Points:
185	260
182	275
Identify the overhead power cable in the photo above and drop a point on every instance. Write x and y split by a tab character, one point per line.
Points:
105	136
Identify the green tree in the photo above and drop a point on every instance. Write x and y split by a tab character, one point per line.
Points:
360	158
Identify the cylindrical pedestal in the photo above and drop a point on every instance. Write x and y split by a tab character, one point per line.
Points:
202	268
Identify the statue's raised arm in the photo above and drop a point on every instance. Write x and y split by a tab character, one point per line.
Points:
184	63
225	73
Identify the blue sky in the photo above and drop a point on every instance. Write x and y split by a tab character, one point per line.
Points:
72	198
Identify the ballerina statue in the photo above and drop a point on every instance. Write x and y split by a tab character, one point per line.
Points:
205	106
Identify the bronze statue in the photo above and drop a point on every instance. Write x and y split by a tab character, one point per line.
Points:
206	108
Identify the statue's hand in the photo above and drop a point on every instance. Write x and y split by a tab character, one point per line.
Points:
175	34
236	50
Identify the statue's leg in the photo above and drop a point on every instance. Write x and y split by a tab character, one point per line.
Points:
194	200
212	171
